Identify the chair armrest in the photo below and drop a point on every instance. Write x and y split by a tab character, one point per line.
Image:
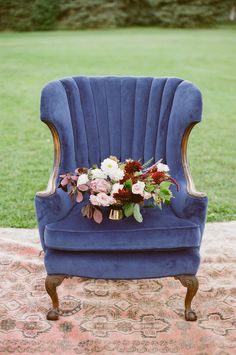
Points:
186	112
53	203
189	203
52	182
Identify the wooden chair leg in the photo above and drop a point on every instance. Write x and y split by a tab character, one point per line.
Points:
191	282
51	284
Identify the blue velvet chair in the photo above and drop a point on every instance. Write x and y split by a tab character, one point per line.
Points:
130	117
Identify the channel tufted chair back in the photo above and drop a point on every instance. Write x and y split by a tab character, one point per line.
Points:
90	119
125	117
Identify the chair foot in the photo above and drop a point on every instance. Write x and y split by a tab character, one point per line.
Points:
53	314
51	284
191	282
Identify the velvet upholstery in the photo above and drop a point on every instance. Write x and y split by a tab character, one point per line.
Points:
159	230
137	117
123	265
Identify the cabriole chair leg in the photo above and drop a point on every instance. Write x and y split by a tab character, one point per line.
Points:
51	284
191	282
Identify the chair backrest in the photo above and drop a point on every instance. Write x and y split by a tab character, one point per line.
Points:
129	117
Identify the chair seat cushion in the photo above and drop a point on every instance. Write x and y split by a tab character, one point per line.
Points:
160	230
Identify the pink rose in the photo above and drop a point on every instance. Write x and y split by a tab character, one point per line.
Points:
102	199
138	188
100	185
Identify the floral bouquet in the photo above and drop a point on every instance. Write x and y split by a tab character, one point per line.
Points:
119	185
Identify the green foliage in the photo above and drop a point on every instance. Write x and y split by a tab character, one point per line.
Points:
189	13
80	14
26	15
44	14
128	209
149	187
165	184
128	185
16	15
133	209
168	13
137	213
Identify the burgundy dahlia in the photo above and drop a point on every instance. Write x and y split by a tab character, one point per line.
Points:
158	177
124	196
133	166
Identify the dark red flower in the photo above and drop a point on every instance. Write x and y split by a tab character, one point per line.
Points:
124	196
80	171
159	176
133	166
136	198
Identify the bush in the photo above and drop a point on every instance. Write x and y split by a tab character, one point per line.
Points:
44	14
16	15
25	15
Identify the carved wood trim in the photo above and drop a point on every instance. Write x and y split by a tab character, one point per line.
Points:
190	183
51	188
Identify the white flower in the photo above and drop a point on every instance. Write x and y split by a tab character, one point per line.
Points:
162	167
147	195
82	179
98	174
116	187
102	199
116	174
138	188
108	164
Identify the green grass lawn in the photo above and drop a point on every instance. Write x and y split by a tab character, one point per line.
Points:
28	61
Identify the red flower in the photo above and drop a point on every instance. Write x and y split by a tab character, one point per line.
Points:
80	171
124	196
159	176
133	166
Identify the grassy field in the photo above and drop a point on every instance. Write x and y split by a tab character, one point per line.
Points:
29	60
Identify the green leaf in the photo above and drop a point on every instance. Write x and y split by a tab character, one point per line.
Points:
165	194
128	184
165	184
137	214
149	188
128	209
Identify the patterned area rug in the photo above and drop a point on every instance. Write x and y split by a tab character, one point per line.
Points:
117	317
